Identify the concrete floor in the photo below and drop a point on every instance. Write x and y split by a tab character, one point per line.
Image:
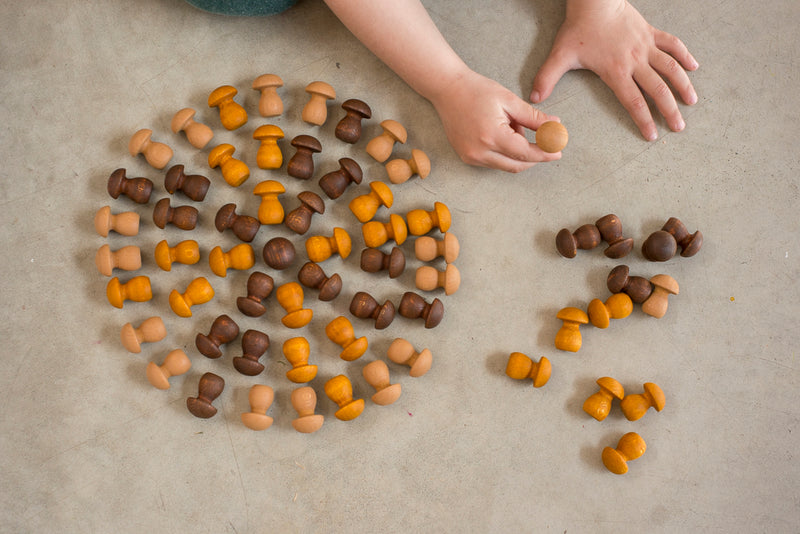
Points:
87	445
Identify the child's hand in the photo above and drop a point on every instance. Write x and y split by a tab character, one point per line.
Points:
612	39
485	123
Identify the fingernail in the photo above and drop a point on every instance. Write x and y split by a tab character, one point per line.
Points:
652	136
535	96
692	98
680	125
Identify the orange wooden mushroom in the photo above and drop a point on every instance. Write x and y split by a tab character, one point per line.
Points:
598	405
269	103
234	171
365	206
569	336
270	211
340	390
341	332
231	114
521	367
269	155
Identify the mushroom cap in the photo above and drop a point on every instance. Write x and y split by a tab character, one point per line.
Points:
269	187
665	282
659	246
394	129
267	80
612	386
452	278
343	242
321	88
399	228
451	247
383	192
181	119
312	200
357	106
618	278
657	394
422	164
220	94
575	315
599	314
544	372
139	140
268	131
218	153
443	215
352	168
307	141
102	220
692	245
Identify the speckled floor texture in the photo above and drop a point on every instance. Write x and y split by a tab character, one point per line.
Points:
87	445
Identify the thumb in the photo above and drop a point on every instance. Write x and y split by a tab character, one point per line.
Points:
523	114
554	67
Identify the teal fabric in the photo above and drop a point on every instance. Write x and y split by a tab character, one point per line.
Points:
244	8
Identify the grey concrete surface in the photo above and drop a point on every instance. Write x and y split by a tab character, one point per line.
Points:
87	445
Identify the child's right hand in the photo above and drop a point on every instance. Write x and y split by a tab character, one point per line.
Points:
485	123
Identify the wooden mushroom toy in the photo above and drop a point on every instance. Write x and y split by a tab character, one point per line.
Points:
299	219
254	345
630	447
376	373
429	278
136	189
241	257
301	164
183	217
259	287
373	261
234	171
231	114
197	133
635	406
279	253
377	233
598	405
335	182
175	363
364	306
521	367
340	390
403	352
610	229
617	306
636	287
341	332
320	248
312	276
244	227
304	401
586	237
290	297
223	330
656	304
296	350
137	289
269	155
199	291
413	306
260	399
127	258
156	154
194	186
315	111
365	207
400	170
270	211
269	103
569	336
428	248
186	252
209	388
349	127
125	223
381	146
420	222
149	331
552	137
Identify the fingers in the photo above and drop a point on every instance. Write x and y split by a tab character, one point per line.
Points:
652	84
675	48
668	67
632	99
554	67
